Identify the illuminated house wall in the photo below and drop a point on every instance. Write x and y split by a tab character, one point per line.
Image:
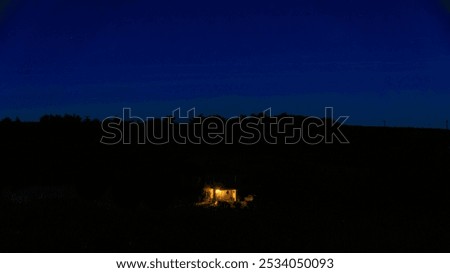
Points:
223	195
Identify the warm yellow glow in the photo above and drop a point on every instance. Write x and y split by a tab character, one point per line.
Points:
212	196
217	194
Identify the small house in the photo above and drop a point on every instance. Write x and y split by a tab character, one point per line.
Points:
214	195
221	189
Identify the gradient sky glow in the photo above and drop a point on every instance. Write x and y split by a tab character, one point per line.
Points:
371	60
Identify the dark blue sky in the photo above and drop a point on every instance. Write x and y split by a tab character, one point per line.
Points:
371	60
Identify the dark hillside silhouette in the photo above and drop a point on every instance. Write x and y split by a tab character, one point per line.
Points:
62	190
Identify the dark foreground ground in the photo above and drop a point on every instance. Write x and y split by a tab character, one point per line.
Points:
69	226
386	191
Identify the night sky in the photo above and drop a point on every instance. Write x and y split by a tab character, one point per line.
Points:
371	60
